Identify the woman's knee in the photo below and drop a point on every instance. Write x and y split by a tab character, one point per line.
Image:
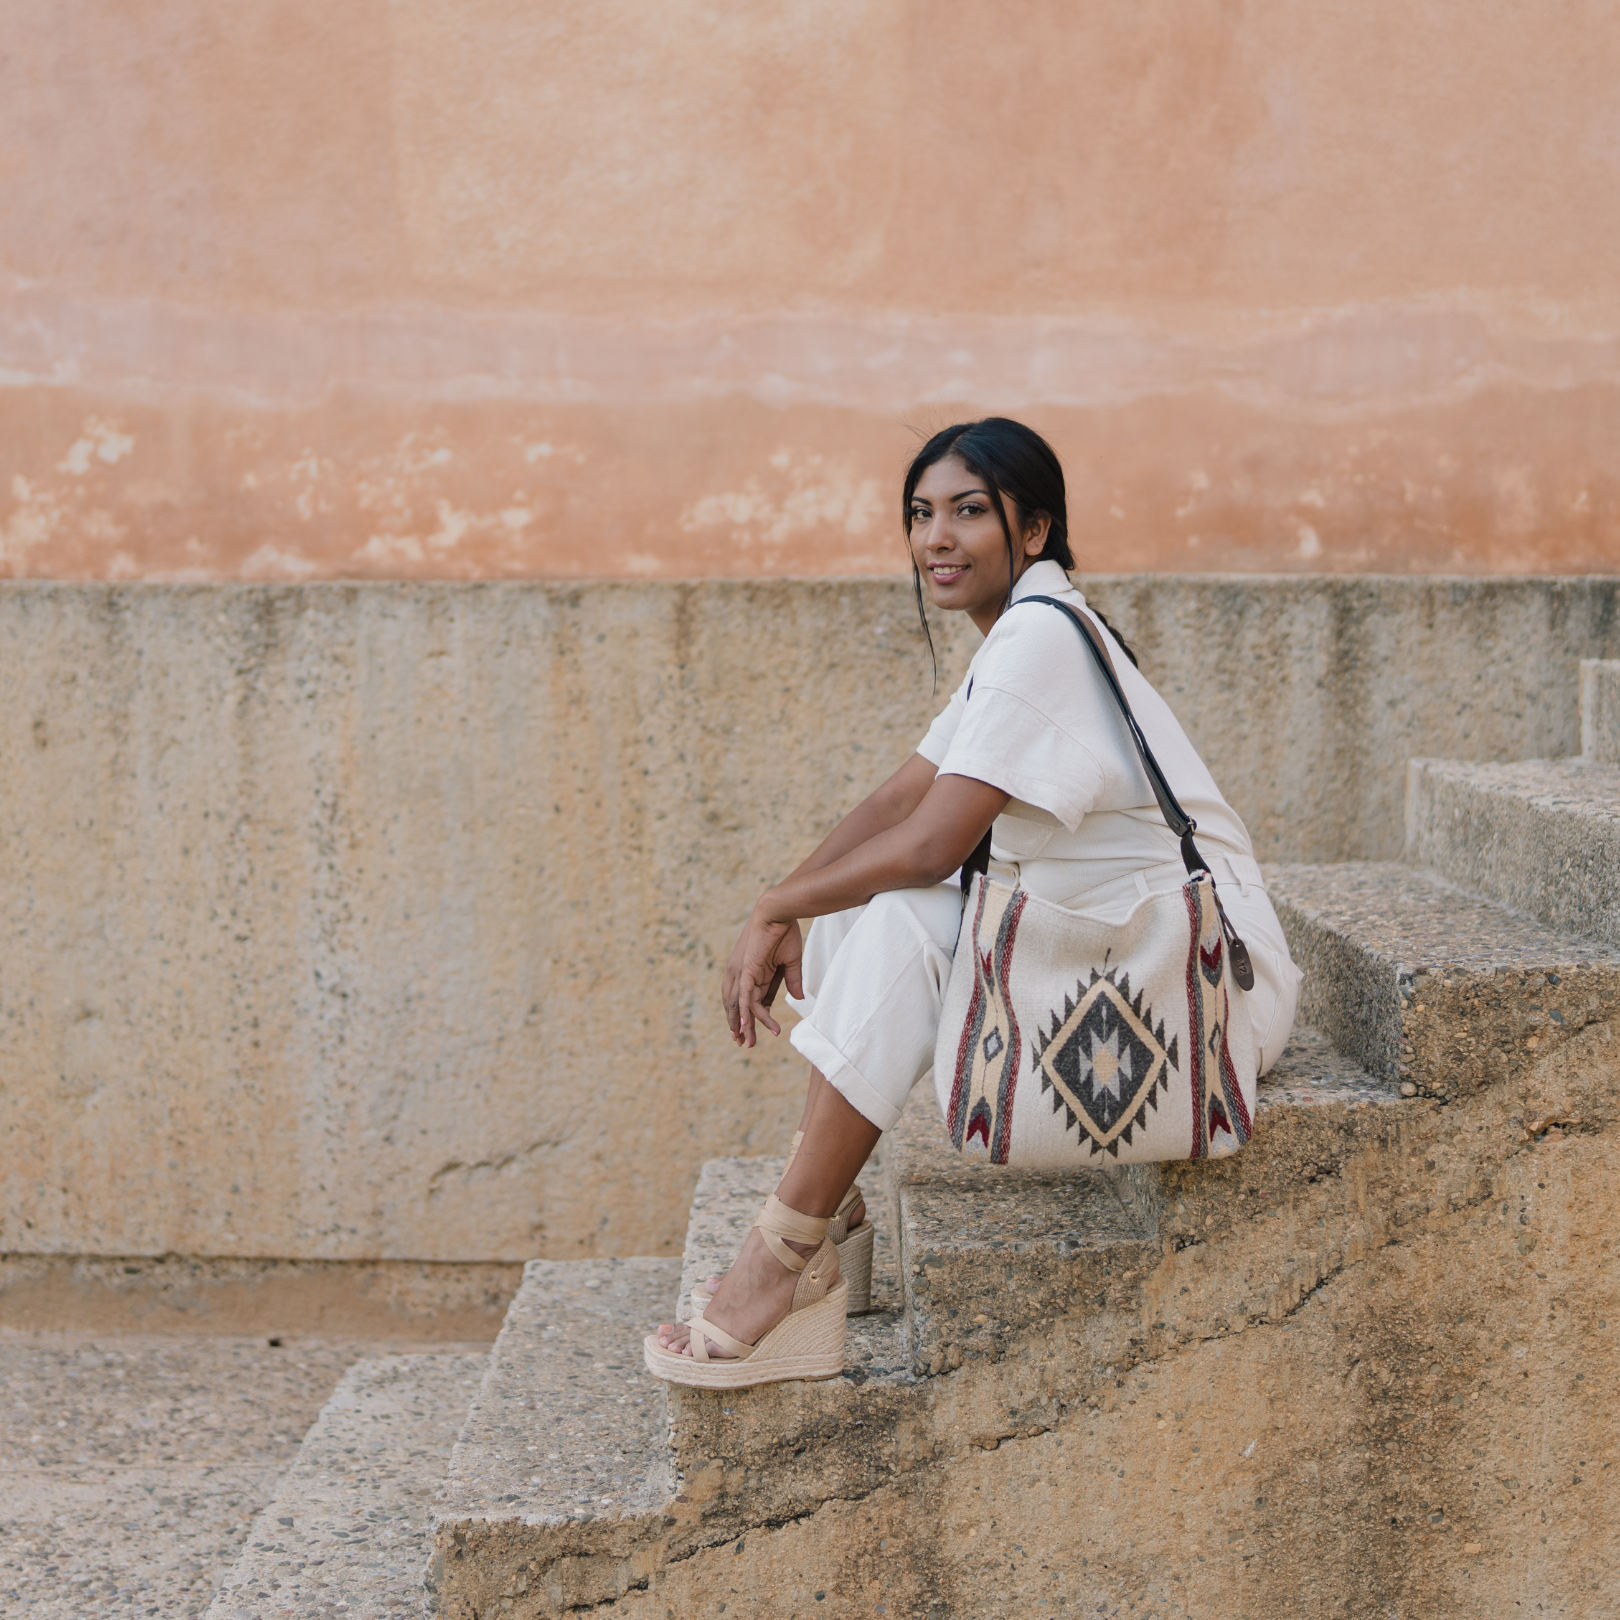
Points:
930	916
825	939
1280	1005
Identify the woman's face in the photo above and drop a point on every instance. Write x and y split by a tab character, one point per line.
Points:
957	540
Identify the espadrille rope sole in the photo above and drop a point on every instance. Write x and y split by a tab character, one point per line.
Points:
807	1343
855	1266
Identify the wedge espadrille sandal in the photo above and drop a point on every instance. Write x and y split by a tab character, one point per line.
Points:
854	1249
807	1343
854	1246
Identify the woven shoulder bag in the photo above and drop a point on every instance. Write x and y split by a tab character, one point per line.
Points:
1066	1041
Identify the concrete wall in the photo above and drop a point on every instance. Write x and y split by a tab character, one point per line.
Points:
384	922
483	289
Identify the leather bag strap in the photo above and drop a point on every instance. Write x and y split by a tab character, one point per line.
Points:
1179	822
1181	825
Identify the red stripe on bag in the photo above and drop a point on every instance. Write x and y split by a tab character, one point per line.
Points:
1234	1091
959	1079
1009	1072
1195	1026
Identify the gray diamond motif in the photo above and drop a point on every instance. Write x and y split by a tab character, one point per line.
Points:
1109	1065
1105	1060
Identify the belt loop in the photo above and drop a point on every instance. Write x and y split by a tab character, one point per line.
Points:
1141	883
1235	870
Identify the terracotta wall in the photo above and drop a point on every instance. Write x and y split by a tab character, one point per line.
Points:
485	288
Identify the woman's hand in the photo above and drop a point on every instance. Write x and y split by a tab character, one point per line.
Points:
925	845
766	952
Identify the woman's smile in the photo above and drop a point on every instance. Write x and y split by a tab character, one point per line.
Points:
958	541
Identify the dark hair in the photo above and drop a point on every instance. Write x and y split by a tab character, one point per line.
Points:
1013	460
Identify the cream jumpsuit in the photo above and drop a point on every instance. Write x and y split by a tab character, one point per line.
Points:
1034	718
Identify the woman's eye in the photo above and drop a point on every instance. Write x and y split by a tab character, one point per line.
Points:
919	514
969	509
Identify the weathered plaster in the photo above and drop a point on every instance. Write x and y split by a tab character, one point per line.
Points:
1287	291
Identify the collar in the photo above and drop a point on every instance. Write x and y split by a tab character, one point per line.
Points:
1044	578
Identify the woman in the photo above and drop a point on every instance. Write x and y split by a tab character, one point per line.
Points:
1033	749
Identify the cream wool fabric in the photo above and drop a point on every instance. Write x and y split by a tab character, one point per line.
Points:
1034	718
1065	1041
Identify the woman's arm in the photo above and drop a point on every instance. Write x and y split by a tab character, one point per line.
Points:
925	848
885	807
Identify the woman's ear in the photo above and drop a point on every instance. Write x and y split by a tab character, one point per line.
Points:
1035	535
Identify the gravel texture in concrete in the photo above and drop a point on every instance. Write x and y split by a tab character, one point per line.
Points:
131	1466
1422	983
1314	1073
1402	915
346	1533
1600	710
567	1435
1541	835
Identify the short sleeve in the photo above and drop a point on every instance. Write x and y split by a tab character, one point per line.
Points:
1010	733
1006	741
937	740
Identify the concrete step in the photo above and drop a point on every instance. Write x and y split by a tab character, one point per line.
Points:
578	1477
1542	836
562	1476
1313	1076
797	1444
1004	1298
988	1251
991	1254
1600	710
1008	1303
346	1533
1421	983
976	1265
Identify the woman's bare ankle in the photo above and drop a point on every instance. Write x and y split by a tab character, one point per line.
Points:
856	1216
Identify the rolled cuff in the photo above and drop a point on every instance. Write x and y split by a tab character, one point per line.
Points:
844	1077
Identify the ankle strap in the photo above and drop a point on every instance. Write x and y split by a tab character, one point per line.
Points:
776	1222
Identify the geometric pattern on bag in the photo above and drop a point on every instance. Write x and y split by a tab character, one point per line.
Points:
1116	1036
1221	1122
986	1072
1104	1061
